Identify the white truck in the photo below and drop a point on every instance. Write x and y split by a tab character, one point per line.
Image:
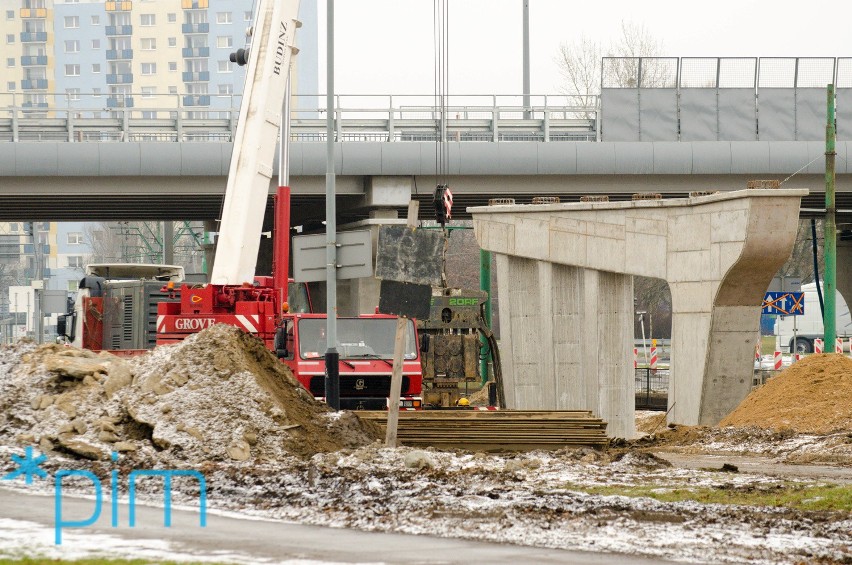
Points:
808	326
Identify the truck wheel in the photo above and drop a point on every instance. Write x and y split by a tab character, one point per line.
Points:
803	346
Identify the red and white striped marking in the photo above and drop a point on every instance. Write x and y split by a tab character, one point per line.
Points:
838	345
653	357
250	322
818	345
797	357
757	352
635	357
778	360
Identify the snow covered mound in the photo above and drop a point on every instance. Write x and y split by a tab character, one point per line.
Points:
220	395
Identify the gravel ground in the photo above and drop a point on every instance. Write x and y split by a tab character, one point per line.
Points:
282	456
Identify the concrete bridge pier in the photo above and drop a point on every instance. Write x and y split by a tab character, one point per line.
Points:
558	352
566	297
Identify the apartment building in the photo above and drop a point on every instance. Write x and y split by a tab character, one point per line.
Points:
29	43
152	56
90	57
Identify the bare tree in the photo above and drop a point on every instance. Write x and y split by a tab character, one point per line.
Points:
580	63
107	244
801	261
653	297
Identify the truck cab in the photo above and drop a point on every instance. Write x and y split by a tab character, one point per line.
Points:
366	347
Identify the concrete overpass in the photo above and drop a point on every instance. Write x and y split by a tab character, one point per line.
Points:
185	181
673	133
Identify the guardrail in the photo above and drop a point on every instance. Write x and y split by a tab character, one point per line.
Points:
147	117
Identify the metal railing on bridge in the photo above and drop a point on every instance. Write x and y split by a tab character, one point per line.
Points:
382	118
722	98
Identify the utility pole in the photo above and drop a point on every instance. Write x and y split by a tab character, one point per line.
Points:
527	111
830	235
332	357
485	284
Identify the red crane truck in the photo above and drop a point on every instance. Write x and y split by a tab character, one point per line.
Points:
257	304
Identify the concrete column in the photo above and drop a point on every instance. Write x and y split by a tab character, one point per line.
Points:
617	383
525	343
568	343
608	313
504	282
545	336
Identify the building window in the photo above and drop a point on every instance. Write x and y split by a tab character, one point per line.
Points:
149	91
73	93
10	62
149	114
10	86
75	261
172	18
149	19
96	68
223	17
72	46
96	20
10	38
96	44
149	44
225	67
75	238
72	70
224	41
73	286
247	16
10	14
72	21
172	67
172	90
96	93
149	68
173	42
226	89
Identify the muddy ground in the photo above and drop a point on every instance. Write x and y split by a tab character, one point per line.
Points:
268	450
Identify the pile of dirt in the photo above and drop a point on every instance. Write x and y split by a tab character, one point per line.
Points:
813	396
219	395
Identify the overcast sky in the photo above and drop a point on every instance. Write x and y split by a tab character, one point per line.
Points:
386	46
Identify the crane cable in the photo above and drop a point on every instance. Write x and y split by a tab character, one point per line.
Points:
441	45
440	25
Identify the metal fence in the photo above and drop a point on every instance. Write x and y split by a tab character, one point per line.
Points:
385	118
652	388
722	98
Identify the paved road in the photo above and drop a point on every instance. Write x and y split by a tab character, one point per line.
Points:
759	465
256	540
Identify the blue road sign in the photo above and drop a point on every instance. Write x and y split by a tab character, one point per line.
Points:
784	303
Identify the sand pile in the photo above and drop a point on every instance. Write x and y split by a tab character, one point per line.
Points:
220	395
813	396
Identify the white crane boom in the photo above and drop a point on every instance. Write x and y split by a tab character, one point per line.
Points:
272	47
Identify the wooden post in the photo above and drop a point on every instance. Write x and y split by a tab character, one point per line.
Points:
398	352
